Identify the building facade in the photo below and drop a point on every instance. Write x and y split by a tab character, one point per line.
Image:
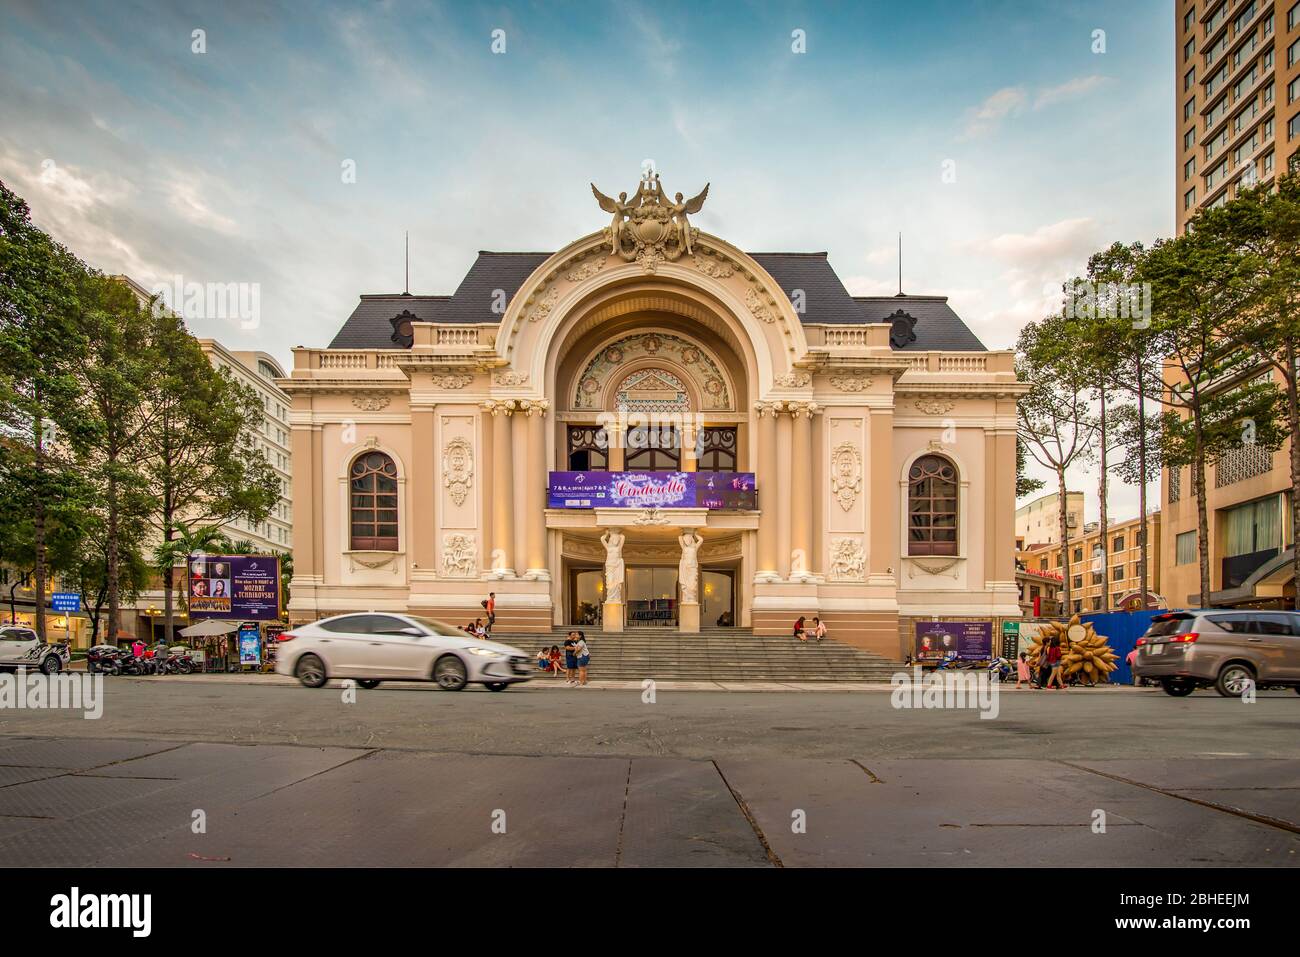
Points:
651	427
1039	522
1119	584
1237	76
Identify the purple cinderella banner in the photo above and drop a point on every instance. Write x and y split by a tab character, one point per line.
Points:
651	490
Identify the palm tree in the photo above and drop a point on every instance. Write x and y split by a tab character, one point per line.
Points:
187	542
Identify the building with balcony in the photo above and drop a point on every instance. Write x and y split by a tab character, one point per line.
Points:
1039	522
1237	97
653	428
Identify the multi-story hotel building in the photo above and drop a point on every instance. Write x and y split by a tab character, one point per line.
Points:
651	426
1119	586
1038	522
1237	101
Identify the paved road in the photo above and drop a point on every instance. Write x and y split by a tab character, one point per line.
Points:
410	775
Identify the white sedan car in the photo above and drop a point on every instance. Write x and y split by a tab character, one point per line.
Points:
382	646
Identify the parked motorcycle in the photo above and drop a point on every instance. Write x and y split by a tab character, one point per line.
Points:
104	659
178	664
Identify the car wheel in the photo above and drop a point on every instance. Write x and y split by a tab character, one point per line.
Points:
51	665
310	670
497	685
1233	680
1177	688
449	672
368	683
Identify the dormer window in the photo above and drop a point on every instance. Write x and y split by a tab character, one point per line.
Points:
902	329
403	334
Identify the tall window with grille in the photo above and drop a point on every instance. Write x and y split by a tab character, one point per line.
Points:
373	484
717	449
588	448
932	507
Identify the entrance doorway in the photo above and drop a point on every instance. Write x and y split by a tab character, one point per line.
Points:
586	595
652	596
718	598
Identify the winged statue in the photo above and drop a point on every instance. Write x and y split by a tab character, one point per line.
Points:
680	210
620	208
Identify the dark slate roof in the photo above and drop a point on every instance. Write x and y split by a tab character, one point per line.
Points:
937	326
826	300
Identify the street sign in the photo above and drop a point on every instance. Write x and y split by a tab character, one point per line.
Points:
65	601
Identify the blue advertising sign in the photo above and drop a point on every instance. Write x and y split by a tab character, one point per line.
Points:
712	490
65	601
234	586
250	645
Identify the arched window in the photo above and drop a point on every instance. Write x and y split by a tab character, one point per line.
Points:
373	481
932	507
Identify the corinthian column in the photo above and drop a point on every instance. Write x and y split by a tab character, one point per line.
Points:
784	490
503	493
801	504
535	497
767	490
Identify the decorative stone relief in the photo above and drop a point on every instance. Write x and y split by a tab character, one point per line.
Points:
586	270
758	306
652	516
508	378
458	469
610	361
459	555
718	270
846	474
848	563
932	406
452	381
545	304
792	380
851	383
371	403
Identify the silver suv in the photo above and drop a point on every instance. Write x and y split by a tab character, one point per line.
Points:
1231	650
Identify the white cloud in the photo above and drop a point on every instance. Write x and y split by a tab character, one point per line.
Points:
1070	89
1007	101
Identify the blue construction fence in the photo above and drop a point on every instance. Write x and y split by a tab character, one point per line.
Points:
1121	629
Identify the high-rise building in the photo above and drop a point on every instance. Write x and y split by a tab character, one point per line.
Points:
1237	87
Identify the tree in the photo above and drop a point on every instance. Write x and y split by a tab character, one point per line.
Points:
1025	484
1263	225
1212	397
204	469
1053	418
113	414
41	344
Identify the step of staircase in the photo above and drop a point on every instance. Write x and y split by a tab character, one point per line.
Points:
717	654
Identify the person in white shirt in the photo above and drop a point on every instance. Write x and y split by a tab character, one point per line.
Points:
820	630
583	656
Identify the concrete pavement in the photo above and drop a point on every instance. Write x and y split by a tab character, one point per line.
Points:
408	775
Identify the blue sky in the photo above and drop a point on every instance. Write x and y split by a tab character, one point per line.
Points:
225	166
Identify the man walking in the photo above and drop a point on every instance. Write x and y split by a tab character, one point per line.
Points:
491	606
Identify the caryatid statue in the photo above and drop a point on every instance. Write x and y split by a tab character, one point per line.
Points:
613	541
688	569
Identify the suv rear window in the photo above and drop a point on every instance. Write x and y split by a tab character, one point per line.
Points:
1163	627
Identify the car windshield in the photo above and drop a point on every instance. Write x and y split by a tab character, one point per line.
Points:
438	627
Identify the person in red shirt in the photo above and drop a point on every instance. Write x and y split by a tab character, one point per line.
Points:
491	607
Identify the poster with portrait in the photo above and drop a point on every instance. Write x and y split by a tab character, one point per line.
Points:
234	586
967	640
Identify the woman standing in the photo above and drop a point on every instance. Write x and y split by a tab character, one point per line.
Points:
1054	663
583	656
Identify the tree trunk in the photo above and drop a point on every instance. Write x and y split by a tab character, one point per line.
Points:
169	587
1142	486
38	520
1202	513
1101	491
1061	515
111	549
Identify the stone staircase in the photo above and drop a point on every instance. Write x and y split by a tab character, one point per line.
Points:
715	654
